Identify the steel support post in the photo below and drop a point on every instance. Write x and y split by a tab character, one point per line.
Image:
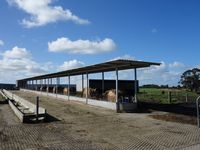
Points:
87	89
68	87
36	85
136	87
56	87
28	84
116	90
51	81
82	84
32	85
102	83
48	86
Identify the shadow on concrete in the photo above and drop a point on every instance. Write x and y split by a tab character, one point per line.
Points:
4	102
48	119
183	108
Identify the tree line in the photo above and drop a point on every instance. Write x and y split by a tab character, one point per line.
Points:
190	79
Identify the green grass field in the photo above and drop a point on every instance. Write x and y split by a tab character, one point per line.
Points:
158	95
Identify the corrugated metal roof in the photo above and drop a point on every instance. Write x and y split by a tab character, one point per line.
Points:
121	64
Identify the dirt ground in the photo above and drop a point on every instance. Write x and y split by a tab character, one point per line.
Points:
74	125
176	118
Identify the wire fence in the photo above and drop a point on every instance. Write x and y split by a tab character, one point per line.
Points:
166	96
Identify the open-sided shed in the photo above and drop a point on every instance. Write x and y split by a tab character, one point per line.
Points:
114	65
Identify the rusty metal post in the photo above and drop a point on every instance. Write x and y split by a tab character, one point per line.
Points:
170	97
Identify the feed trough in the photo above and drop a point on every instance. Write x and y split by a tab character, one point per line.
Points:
25	110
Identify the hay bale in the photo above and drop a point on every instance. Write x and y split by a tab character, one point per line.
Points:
110	95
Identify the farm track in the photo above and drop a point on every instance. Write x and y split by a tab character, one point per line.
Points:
78	126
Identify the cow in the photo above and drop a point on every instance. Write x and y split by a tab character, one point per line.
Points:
54	89
92	93
37	88
44	89
58	90
50	89
41	88
66	91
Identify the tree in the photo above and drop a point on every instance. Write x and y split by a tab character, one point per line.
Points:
190	79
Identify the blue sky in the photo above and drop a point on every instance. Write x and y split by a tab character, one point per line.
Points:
166	31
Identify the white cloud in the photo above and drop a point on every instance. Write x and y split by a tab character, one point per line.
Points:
166	73
72	64
176	64
16	52
81	46
163	74
17	63
126	56
41	13
1	43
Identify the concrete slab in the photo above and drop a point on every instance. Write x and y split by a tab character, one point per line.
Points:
109	130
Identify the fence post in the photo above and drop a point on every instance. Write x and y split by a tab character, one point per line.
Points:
170	96
186	97
37	108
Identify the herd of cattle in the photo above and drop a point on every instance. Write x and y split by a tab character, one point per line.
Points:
109	95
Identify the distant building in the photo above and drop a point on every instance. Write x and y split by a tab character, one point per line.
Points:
7	86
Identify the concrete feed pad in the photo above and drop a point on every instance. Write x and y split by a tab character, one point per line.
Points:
15	135
96	128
